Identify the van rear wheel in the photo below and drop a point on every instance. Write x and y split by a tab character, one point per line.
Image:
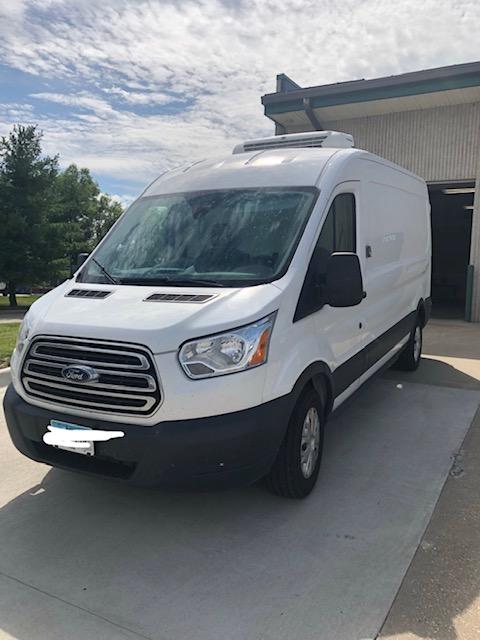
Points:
412	354
295	470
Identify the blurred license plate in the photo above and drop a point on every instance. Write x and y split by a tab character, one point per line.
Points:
85	448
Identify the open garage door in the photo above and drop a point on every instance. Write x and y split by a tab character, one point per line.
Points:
452	207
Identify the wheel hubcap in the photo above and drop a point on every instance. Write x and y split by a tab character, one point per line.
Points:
310	444
417	343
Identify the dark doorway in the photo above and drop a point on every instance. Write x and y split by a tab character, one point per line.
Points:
452	207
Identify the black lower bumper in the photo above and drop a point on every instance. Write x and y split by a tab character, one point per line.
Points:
223	451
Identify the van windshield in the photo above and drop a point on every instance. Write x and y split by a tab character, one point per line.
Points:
235	237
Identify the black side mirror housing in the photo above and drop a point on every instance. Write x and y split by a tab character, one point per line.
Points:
343	280
81	259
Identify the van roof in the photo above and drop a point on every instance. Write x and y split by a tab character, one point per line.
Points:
270	168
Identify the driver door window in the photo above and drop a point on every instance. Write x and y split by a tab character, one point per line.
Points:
338	234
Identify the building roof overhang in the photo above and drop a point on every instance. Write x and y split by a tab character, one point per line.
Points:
290	105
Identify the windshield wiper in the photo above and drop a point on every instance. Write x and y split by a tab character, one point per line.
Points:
105	272
174	282
200	281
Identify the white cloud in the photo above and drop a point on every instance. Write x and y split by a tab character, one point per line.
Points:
12	9
81	100
118	56
141	97
16	111
125	200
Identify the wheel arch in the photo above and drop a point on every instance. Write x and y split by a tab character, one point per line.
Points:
318	375
422	312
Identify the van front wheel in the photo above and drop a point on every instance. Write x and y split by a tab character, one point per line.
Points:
295	470
412	354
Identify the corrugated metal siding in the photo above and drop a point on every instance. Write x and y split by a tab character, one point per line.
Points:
439	144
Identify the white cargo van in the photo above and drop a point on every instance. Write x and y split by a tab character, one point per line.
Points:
232	307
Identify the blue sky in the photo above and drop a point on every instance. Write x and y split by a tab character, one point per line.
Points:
131	88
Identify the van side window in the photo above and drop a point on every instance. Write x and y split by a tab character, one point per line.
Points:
338	234
344	212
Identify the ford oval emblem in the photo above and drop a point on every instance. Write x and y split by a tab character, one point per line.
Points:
80	373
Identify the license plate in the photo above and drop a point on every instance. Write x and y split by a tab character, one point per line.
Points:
86	448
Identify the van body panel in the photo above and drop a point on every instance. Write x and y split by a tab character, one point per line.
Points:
275	168
397	272
186	399
161	326
348	344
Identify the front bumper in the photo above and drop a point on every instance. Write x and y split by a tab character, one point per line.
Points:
223	451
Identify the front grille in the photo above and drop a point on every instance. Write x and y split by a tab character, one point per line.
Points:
127	382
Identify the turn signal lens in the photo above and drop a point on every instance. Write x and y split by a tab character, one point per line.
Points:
260	354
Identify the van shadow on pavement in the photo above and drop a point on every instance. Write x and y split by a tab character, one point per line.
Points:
242	564
438	373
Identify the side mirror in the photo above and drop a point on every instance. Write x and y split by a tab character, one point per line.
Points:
81	259
343	280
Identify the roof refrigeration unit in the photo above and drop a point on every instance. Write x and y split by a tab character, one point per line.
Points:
331	139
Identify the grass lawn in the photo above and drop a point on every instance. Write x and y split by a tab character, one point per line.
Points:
23	302
8	335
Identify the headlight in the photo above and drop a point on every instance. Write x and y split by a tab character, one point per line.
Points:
228	352
22	339
23	334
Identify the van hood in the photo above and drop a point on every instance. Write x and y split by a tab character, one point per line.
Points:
126	315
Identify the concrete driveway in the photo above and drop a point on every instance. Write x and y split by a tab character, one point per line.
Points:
86	558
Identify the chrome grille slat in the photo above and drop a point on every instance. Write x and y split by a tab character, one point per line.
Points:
149	401
76	389
127	380
141	358
150	381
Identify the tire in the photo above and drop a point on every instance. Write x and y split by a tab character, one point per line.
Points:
412	354
292	476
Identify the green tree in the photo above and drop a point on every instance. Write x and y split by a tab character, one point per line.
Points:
28	237
83	212
108	213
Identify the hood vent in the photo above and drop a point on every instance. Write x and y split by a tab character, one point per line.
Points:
199	298
88	293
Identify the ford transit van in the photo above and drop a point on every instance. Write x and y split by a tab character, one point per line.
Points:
227	313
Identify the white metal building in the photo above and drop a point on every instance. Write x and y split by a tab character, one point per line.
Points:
429	122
